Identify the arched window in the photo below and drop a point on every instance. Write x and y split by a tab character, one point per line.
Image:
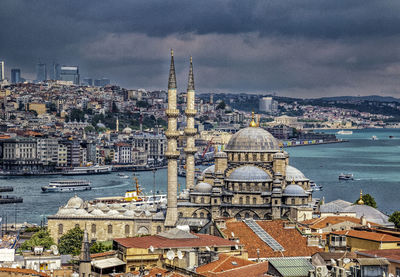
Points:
254	157
254	201
127	230
246	215
247	200
248	187
256	217
60	229
158	229
246	157
303	201
202	200
110	229
241	200
293	202
195	215
201	215
240	187
93	228
225	214
238	217
180	214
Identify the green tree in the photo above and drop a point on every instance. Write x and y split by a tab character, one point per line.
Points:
71	242
40	238
221	106
99	247
368	200
395	218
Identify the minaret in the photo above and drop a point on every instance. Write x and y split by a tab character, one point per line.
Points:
85	267
190	131
117	125
172	154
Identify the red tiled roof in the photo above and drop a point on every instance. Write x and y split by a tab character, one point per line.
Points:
251	270
368	235
162	242
390	254
103	254
319	223
164	272
225	262
292	241
23	271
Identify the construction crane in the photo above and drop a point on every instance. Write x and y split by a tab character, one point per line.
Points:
208	146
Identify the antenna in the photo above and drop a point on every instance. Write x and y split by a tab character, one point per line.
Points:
346	260
151	248
170	255
208	248
236	246
54	249
179	254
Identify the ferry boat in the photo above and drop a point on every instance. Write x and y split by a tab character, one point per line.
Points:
89	170
134	197
343	132
346	176
67	186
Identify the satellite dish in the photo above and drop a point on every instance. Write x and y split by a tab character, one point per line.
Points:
236	246
233	234
151	248
54	249
208	248
369	225
333	262
179	254
346	260
170	255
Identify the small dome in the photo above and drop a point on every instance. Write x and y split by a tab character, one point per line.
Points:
100	125
101	205
75	202
113	213
115	206
252	139
209	170
97	212
64	211
129	213
248	173
81	212
293	174
294	190
203	187
127	130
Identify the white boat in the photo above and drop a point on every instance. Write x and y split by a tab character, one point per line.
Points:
67	186
374	138
315	187
89	170
346	176
124	176
343	132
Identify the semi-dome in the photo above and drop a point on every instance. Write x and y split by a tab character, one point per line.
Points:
248	173
210	169
252	139
293	174
129	213
294	190
75	202
203	187
113	213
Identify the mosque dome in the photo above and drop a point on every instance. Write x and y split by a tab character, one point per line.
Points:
209	170
203	187
97	212
100	125
80	212
113	213
127	130
293	174
129	213
370	214
101	205
64	211
75	202
248	173
294	190
252	139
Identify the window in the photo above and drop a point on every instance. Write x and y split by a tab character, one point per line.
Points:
60	229
246	215
293	201
93	228
202	200
276	202
215	201
127	230
158	229
180	214
247	200
254	201
241	200
110	229
201	215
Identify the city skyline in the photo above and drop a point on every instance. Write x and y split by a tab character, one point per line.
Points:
306	49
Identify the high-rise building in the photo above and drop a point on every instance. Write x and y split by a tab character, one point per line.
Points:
70	74
15	76
55	71
2	71
87	82
267	104
101	82
41	72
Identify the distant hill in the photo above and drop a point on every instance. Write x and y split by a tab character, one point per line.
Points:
376	98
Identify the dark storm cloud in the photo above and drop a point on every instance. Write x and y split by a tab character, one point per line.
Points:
293	47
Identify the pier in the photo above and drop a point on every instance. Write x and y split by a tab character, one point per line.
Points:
8	199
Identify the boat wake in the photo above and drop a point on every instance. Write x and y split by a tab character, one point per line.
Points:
114	186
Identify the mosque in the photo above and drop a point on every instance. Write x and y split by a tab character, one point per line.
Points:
251	178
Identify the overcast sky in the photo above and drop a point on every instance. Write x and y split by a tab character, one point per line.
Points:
295	48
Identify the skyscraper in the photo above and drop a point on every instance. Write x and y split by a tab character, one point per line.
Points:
101	82
1	71
15	76
70	74
41	72
55	71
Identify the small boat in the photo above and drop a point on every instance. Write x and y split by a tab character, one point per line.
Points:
391	137
343	132
315	187
346	176
67	186
374	138
123	176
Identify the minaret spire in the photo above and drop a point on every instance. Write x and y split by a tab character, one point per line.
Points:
190	131
172	76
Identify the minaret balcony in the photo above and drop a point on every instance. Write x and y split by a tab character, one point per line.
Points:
172	112
172	134
190	112
190	150
190	131
172	154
